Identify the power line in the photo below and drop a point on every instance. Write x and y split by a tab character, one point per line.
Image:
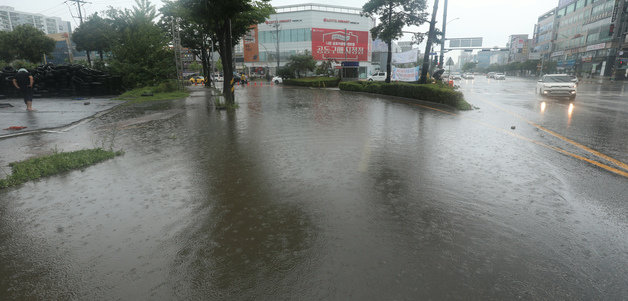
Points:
71	14
48	9
80	16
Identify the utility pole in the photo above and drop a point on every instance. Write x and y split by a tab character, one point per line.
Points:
276	25
344	64
428	47
78	5
442	42
177	52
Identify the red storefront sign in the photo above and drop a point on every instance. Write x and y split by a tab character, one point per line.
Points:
331	44
251	46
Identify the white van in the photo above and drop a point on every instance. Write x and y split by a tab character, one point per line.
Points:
377	76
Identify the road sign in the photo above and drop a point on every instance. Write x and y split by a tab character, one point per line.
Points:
465	43
534	56
450	62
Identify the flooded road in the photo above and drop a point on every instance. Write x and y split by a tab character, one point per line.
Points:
306	194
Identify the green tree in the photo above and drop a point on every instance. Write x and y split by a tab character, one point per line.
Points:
469	66
25	42
393	16
325	68
7	51
193	36
219	64
226	23
286	71
302	62
93	35
196	67
139	50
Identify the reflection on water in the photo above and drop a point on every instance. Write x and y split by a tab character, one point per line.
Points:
543	106
245	236
570	113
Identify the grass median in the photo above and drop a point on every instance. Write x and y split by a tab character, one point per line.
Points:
58	162
165	91
437	93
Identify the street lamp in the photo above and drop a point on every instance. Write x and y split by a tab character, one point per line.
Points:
442	42
267	58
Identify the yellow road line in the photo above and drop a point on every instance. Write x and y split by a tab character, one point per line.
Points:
554	148
561	137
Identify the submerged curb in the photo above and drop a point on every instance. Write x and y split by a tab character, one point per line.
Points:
63	128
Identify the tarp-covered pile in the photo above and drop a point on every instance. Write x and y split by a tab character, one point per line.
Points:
65	80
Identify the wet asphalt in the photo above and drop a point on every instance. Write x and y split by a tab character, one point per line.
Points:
307	194
50	113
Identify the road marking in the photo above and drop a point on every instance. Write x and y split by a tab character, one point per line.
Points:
561	137
554	148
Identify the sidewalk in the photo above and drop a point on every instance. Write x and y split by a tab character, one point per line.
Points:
49	113
603	81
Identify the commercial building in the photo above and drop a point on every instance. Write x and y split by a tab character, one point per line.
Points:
588	36
9	19
500	57
466	57
329	32
379	54
544	34
484	59
487	57
405	45
621	62
64	51
518	48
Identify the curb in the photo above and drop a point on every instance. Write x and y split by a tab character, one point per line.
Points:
63	128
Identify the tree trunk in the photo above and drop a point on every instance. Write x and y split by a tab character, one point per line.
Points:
226	55
389	58
389	61
101	55
89	59
428	47
204	63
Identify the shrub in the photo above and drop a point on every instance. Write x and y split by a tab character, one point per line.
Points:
285	72
427	92
321	82
167	86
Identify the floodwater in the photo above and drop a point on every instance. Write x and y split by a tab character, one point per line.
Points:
306	194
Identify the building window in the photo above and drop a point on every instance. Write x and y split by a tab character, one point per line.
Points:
581	4
293	35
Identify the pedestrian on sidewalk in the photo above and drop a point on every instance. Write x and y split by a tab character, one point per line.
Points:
24	81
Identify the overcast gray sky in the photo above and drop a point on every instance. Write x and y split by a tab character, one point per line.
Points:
494	20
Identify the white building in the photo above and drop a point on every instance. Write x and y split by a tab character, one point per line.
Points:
9	19
466	57
499	57
328	32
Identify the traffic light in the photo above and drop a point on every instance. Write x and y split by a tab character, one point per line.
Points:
622	64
